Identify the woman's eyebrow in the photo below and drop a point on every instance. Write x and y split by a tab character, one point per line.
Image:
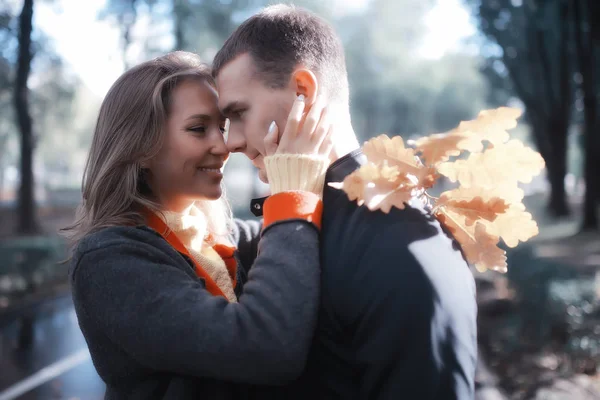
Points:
198	116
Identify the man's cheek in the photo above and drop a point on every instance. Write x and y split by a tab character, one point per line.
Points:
259	140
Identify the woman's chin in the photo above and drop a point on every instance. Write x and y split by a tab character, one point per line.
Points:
214	194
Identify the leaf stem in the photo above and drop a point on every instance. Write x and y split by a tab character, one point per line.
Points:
459	225
430	196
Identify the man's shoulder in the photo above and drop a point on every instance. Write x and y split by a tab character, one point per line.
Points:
412	237
413	221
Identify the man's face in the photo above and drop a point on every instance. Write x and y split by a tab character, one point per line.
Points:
251	106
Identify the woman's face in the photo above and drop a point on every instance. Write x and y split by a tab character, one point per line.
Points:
189	166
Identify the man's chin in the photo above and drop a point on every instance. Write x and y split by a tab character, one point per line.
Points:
262	175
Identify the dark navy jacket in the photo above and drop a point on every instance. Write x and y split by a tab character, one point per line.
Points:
397	316
154	331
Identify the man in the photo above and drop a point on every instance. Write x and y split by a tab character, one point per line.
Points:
398	314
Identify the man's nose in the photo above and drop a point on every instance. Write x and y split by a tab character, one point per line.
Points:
236	142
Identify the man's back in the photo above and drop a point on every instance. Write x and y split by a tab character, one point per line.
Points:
398	311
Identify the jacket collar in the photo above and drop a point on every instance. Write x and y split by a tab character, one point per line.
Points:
336	172
344	166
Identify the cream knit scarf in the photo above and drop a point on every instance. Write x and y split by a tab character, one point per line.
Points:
190	228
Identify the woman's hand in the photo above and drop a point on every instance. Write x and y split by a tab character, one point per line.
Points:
308	134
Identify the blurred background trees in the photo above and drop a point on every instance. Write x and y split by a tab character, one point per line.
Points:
35	98
538	55
545	54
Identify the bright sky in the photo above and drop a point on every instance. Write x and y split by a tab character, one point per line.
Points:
97	59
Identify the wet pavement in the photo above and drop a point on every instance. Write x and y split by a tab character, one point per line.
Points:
57	366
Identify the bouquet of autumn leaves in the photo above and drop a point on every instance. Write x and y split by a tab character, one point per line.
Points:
486	206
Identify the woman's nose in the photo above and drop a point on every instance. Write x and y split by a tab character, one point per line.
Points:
219	147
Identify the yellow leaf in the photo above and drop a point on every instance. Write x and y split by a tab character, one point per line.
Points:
394	152
375	199
353	185
479	247
513	226
510	192
490	126
506	163
427	177
385	186
511	221
473	203
379	187
437	147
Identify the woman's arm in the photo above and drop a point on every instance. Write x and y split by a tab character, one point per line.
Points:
130	291
246	236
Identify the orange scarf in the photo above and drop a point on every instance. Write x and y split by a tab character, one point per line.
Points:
225	252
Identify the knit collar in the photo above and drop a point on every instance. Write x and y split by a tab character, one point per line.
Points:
190	226
227	253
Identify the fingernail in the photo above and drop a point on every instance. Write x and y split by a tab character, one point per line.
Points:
272	127
301	97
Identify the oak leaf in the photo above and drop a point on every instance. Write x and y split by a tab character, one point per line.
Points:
353	185
490	126
379	186
386	186
437	147
514	226
500	211
479	247
392	150
510	162
473	204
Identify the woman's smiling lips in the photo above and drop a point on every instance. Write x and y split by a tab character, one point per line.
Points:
212	169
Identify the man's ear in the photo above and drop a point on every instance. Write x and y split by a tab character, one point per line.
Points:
305	82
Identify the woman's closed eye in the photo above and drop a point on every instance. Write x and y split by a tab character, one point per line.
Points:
197	129
201	129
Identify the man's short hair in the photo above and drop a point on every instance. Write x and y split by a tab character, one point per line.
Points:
281	37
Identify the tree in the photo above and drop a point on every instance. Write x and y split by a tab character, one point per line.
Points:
27	217
125	13
534	40
5	108
26	103
393	89
586	24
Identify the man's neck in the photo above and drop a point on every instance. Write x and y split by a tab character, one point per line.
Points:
344	138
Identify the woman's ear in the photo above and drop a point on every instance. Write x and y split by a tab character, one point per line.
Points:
306	83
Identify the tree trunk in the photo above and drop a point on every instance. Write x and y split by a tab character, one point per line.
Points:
590	203
179	16
551	143
587	63
557	170
27	218
3	141
127	20
560	114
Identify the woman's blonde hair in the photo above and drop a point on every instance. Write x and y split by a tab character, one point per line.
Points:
129	132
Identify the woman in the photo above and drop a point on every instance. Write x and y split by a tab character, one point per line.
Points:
166	309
